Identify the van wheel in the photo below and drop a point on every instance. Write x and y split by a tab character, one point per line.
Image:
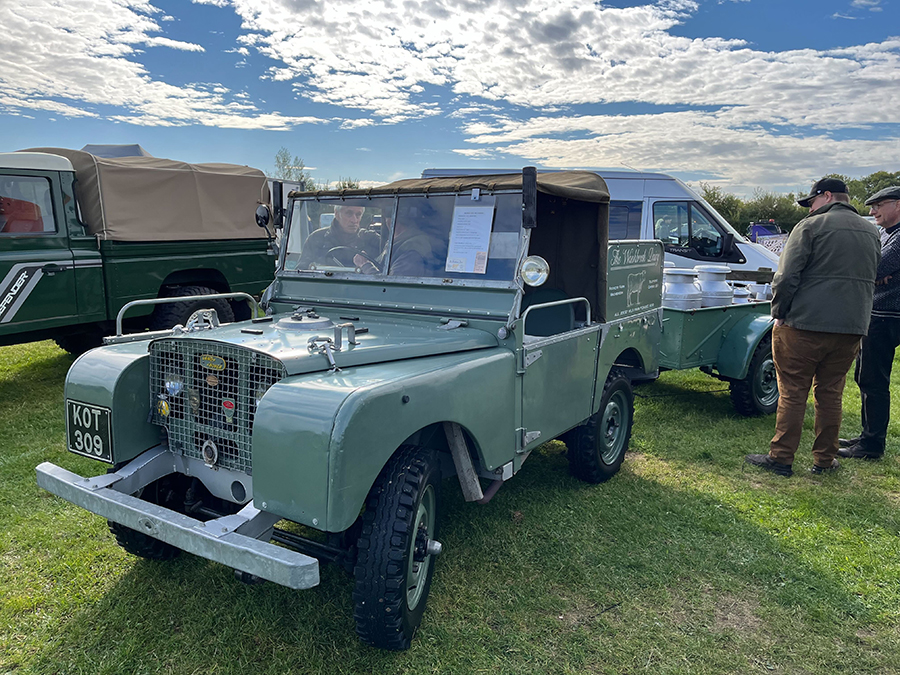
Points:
757	394
168	315
599	444
395	559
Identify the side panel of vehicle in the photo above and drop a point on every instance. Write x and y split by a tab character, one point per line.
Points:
713	335
634	298
343	427
740	345
37	271
118	378
136	271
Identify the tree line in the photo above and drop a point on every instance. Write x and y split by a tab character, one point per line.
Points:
783	208
293	169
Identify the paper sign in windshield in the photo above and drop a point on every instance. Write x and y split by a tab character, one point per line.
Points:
470	239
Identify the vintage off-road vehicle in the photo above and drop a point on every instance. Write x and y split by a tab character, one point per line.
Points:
466	322
81	236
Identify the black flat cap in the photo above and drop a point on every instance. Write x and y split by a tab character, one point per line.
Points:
824	185
892	192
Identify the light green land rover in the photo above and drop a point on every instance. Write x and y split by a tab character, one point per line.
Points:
420	337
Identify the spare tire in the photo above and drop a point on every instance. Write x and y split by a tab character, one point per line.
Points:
167	315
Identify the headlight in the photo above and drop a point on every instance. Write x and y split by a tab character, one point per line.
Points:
534	270
174	384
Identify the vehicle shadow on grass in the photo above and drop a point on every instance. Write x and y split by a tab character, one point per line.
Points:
552	576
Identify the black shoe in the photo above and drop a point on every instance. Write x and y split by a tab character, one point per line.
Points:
847	442
767	463
857	451
835	465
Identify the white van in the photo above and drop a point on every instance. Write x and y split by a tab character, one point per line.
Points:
658	206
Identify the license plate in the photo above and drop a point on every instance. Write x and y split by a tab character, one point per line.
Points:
88	430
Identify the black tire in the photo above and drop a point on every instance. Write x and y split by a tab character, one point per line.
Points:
168	315
757	394
138	543
393	574
78	343
598	446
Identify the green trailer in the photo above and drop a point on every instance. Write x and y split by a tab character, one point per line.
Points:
732	343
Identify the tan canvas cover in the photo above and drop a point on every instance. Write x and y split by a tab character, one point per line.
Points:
154	199
585	186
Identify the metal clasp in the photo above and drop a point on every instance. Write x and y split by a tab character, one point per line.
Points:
324	345
351	335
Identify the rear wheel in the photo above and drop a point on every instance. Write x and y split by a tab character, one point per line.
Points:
395	559
78	343
757	394
167	315
598	446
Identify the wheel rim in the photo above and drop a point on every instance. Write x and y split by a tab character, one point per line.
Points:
613	427
765	384
417	572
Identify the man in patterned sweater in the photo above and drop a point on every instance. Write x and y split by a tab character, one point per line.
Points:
873	367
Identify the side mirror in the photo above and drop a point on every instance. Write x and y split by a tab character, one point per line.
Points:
728	244
263	215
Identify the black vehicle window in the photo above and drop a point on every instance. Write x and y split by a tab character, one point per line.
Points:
625	220
25	206
687	224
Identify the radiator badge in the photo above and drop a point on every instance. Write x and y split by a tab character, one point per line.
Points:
163	408
228	407
212	362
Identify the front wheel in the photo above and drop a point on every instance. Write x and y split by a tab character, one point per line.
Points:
395	559
598	446
757	394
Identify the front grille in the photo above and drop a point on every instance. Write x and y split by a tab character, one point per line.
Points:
207	391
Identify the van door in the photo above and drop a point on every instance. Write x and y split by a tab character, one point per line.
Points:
37	283
689	232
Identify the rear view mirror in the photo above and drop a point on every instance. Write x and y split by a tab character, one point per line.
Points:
263	216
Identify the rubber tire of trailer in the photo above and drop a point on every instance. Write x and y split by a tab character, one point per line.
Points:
391	587
597	447
757	394
167	315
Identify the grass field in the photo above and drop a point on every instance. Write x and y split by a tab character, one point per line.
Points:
686	562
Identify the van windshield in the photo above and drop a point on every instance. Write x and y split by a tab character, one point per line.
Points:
444	236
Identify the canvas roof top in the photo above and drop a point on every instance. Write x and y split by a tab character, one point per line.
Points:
155	199
581	185
122	150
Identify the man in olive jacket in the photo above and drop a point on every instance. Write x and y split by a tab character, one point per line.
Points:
821	305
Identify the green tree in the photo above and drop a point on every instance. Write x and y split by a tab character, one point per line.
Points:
346	183
728	205
783	209
292	169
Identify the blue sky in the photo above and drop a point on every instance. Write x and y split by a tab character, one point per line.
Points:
739	93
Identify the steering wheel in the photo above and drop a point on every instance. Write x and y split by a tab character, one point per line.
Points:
344	255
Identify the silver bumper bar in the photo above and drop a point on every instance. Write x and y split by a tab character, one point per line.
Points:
239	541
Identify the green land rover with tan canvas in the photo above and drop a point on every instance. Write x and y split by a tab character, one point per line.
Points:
81	236
428	338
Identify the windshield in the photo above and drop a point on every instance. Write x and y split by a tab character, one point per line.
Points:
446	236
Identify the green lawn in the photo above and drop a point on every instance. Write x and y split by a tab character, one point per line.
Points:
686	562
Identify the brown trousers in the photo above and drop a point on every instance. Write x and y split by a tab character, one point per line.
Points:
803	359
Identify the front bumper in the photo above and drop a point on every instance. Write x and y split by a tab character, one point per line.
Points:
239	541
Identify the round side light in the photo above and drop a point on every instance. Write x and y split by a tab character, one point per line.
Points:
534	270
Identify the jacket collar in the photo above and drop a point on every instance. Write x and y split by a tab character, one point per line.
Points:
832	205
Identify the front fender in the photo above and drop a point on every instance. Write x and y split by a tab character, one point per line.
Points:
740	343
118	377
320	440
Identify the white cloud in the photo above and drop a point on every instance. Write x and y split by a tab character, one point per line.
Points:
87	61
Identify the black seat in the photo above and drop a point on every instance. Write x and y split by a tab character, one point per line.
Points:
548	320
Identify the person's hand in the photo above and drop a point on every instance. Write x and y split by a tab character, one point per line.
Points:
779	322
365	265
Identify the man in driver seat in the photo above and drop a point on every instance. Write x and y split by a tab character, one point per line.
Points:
336	244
